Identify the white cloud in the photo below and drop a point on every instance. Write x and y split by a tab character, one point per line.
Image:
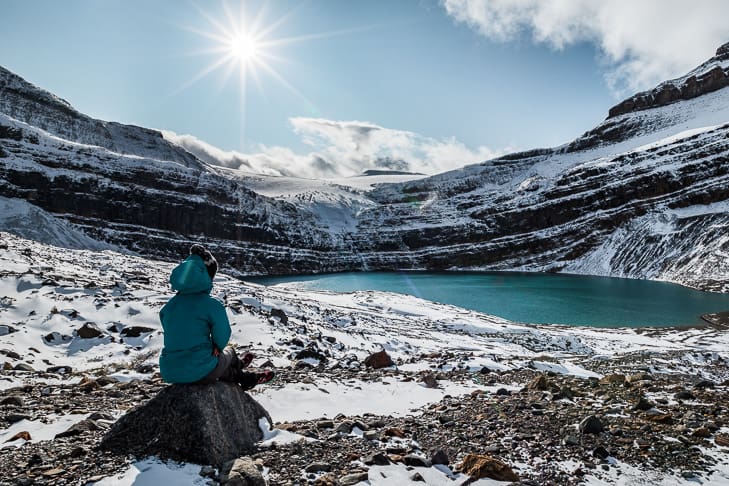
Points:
643	42
342	149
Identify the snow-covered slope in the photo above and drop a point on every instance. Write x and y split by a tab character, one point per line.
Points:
450	361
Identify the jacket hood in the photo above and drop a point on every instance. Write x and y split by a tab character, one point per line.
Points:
191	276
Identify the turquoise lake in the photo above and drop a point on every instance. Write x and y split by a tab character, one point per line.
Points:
535	297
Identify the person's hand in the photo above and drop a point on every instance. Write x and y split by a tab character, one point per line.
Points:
216	351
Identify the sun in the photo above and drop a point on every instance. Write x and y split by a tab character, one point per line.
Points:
244	49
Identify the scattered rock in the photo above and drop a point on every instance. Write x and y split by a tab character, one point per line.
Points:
280	314
684	395
377	459
430	381
440	457
704	384
612	379
78	429
241	471
316	467
479	466
540	383
13	400
135	331
23	434
89	331
415	460
643	404
601	453
351	479
722	440
591	425
379	360
63	370
24	367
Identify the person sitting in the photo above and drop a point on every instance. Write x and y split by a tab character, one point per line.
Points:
197	330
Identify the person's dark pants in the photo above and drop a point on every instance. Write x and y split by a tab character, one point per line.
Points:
229	369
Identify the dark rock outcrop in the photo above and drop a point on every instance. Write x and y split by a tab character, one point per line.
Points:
710	77
203	424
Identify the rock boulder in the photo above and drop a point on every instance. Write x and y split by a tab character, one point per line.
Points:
203	424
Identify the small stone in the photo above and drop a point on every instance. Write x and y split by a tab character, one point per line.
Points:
89	331
316	467
440	457
241	472
371	435
570	440
379	360
325	424
416	461
591	425
394	432
722	440
23	367
481	466
344	427
416	477
540	383
702	432
377	459
662	418
62	370
704	384
53	472
78	452
601	453
23	434
352	479
280	314
503	392
135	331
17	417
612	379
78	429
430	381
88	384
637	377
13	400
684	395
101	416
643	404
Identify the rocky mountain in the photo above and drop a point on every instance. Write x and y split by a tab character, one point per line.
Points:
645	194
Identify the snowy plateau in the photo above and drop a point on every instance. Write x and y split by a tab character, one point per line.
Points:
93	214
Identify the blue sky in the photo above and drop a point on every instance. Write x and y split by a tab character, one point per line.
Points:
444	82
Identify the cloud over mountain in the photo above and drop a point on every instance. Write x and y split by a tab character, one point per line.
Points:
642	42
341	149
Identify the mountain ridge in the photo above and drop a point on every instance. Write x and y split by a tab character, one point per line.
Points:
555	209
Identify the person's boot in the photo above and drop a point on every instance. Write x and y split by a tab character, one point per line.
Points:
246	360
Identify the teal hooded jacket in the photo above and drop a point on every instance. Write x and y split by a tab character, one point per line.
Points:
193	322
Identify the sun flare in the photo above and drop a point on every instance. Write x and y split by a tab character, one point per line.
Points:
244	48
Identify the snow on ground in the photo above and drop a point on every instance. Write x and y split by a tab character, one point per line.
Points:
49	293
353	397
153	472
397	474
40	430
